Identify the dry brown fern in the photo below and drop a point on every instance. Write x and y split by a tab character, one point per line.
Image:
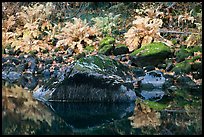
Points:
144	31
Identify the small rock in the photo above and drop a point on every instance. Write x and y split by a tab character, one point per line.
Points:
69	52
149	68
59	59
46	73
169	67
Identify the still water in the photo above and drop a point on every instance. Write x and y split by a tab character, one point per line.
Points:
22	114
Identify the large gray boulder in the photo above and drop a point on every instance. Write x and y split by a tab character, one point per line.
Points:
90	79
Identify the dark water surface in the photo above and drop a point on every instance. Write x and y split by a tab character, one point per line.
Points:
22	114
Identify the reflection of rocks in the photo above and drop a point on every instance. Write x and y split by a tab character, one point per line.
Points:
90	79
144	116
151	85
21	114
84	115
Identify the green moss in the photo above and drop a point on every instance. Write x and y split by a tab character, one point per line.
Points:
152	49
151	104
182	54
174	41
89	49
155	105
106	41
182	67
193	49
106	50
100	63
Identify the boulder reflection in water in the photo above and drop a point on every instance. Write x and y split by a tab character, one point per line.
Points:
84	115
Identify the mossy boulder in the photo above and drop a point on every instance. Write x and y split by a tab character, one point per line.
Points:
106	50
182	54
182	67
151	54
106	41
90	79
120	49
187	66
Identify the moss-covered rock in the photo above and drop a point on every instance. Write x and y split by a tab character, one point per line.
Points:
120	49
181	55
106	49
182	67
90	79
193	49
186	65
151	54
106	41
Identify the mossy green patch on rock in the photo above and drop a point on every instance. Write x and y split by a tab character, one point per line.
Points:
152	49
155	105
151	54
100	63
106	50
106	41
182	54
193	49
182	67
185	66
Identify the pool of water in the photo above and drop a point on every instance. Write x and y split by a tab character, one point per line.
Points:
22	114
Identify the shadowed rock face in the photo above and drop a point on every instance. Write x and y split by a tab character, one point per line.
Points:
90	79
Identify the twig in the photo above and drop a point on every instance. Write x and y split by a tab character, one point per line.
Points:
177	32
181	111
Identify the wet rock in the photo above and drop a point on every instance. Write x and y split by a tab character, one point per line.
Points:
46	73
120	49
186	82
16	61
151	54
80	55
11	76
168	83
8	67
3	59
161	66
59	59
48	61
21	67
28	80
197	74
69	52
138	72
151	86
149	68
124	57
169	67
90	79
